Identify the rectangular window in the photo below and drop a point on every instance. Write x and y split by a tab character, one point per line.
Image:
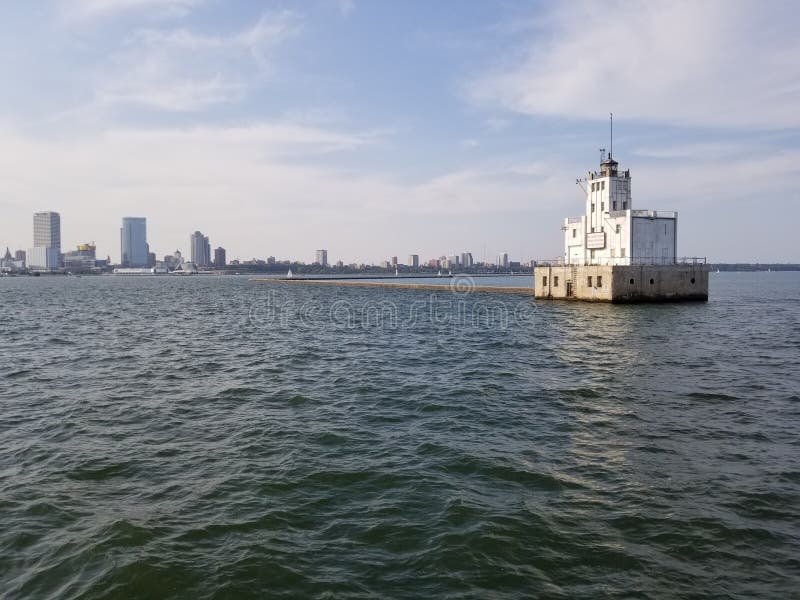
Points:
544	281
555	281
574	233
593	184
624	206
599	281
592	229
592	206
590	281
615	205
602	185
618	227
665	229
603	207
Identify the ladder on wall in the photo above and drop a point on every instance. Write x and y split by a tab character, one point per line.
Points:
573	279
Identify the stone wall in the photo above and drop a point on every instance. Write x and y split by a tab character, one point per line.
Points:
641	283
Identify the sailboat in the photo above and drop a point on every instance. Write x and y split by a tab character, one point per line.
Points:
440	272
289	274
396	274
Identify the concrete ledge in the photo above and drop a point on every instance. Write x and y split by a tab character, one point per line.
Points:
403	286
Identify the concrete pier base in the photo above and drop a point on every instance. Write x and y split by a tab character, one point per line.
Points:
622	283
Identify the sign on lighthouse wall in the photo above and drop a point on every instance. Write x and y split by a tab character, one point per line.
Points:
596	240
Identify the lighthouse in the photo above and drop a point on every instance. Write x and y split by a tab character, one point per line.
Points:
617	253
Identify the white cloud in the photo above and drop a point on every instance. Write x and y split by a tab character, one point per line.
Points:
100	8
718	63
345	7
242	184
179	70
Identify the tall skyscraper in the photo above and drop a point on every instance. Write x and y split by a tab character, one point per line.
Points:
46	251
394	261
322	258
134	249
502	260
200	249
466	260
413	260
219	257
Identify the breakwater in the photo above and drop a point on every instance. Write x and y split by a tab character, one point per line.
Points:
459	286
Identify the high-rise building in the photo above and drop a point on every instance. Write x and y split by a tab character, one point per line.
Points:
466	260
413	260
134	250
453	261
200	249
394	261
46	251
47	230
322	258
502	260
219	257
20	256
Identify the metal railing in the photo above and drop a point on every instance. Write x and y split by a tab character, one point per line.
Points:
655	214
622	261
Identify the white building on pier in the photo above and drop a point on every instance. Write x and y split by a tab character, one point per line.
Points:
612	231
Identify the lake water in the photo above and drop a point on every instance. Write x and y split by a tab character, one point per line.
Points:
211	437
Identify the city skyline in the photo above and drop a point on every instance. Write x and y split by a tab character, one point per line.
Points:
278	129
135	251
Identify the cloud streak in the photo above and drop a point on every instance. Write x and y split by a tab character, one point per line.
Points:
724	64
106	8
179	70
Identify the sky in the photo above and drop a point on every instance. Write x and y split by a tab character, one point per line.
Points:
380	128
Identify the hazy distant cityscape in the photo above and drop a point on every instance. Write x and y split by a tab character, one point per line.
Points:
47	255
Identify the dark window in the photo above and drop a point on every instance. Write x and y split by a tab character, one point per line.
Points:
590	281
599	281
603	207
544	281
618	227
652	281
592	206
555	281
615	205
603	185
574	233
692	279
631	281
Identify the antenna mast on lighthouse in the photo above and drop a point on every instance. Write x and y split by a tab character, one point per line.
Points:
611	151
